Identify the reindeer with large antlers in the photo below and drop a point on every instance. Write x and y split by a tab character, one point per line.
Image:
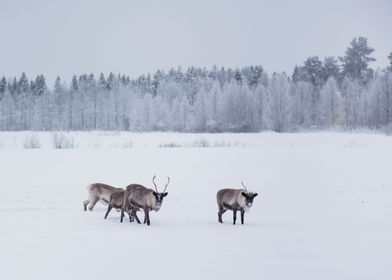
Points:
137	197
235	200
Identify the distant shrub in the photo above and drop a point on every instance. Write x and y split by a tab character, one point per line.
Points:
169	145
62	141
201	143
128	145
31	142
239	144
221	144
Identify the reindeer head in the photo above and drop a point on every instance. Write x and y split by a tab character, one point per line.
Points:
249	196
159	195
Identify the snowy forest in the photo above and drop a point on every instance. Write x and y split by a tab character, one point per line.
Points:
323	94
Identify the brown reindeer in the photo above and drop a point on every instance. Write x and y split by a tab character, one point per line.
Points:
116	201
139	197
234	200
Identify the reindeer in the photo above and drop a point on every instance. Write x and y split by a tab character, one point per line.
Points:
98	192
116	201
235	200
139	197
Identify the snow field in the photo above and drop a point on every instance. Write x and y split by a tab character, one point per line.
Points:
323	210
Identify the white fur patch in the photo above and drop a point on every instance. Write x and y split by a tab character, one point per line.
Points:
241	200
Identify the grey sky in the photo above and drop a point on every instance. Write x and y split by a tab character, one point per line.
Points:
136	37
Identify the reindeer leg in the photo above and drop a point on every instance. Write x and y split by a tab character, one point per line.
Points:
109	209
92	203
136	217
131	219
122	214
85	203
242	216
147	216
125	205
220	213
234	216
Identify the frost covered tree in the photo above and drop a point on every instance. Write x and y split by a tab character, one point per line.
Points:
60	99
22	100
320	94
259	104
382	99
72	94
354	103
331	104
279	102
301	104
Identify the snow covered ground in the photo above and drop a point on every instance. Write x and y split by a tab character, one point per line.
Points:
324	209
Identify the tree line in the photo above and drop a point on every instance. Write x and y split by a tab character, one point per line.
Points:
334	92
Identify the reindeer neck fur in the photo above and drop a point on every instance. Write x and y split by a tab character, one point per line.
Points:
241	200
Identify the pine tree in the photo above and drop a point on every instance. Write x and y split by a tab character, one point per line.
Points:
3	87
40	85
13	86
23	84
157	79
299	74
313	67
253	74
238	76
355	63
330	68
390	62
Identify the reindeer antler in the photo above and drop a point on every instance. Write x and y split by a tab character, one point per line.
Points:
244	186
168	181
153	181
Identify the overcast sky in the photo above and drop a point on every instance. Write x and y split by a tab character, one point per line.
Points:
136	37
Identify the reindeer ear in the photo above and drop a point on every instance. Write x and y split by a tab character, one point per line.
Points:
165	194
243	193
154	193
255	194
